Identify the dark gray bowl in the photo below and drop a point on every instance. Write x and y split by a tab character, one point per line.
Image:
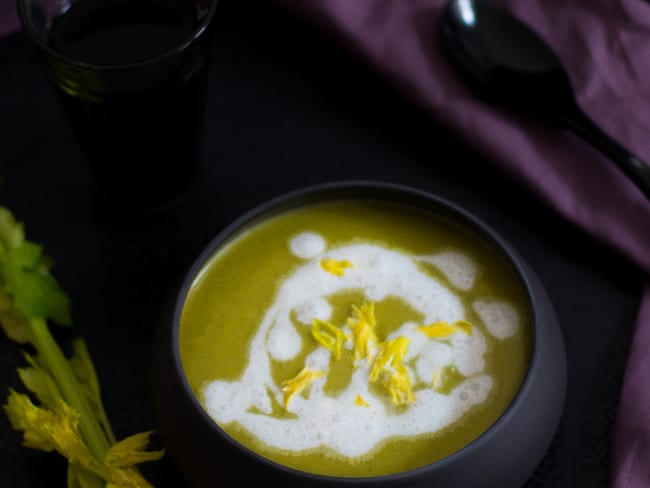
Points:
504	456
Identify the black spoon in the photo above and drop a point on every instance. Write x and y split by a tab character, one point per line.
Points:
508	64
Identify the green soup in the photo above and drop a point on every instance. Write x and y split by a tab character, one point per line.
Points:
355	337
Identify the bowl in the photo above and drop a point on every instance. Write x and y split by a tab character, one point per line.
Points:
465	388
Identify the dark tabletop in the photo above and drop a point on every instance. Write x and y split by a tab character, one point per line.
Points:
286	108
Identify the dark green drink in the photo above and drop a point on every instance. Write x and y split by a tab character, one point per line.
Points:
131	77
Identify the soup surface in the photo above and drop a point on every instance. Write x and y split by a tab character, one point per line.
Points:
355	337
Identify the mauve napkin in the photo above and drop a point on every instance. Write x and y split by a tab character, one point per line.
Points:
8	17
606	47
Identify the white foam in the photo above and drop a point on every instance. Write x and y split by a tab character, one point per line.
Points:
283	342
318	360
459	269
307	245
338	422
318	308
359	429
500	318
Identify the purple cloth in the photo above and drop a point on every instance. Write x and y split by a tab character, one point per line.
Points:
8	17
606	47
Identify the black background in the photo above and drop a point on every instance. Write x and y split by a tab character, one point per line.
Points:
286	108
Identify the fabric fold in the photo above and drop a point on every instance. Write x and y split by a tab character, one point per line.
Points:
632	442
9	22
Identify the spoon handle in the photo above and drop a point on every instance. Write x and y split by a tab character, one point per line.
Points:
635	169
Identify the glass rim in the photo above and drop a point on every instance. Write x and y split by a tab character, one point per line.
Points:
30	29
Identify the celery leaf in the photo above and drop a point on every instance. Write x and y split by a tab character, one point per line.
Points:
25	277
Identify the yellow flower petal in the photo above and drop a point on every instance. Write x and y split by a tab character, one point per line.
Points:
298	383
464	325
442	329
335	267
360	402
390	354
365	313
362	324
389	369
329	336
437	330
399	386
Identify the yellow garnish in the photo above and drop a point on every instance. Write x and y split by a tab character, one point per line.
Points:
360	402
362	325
464	325
437	330
335	267
441	329
390	355
394	375
329	336
298	383
399	386
386	357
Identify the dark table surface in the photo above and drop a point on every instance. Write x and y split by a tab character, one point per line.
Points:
286	108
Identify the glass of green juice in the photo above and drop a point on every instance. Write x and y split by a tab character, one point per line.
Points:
359	334
131	78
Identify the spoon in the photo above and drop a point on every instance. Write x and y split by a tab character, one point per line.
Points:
508	64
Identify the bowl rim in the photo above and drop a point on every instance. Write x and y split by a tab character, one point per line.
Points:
328	191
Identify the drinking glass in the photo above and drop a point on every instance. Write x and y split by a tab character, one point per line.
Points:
131	78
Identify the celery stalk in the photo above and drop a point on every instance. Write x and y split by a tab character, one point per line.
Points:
70	418
59	368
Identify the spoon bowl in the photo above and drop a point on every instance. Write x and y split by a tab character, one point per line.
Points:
508	64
